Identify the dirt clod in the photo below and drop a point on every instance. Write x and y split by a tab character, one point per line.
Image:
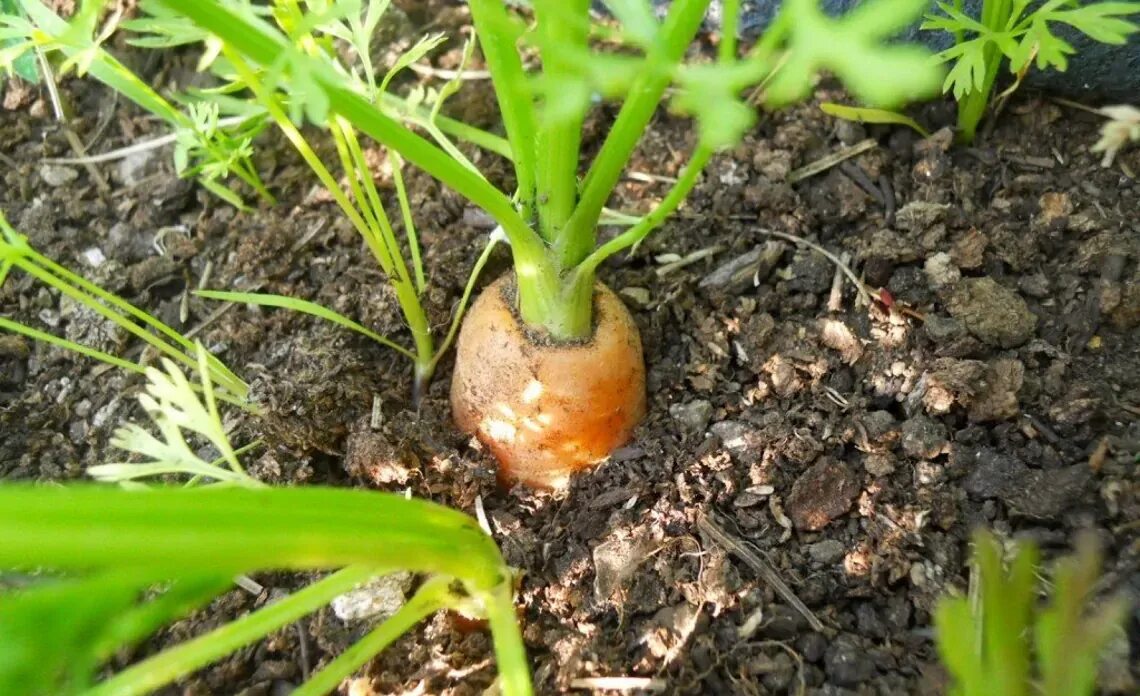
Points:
994	314
822	493
923	438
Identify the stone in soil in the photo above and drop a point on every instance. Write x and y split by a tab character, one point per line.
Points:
918	216
742	441
941	272
827	551
998	399
996	315
692	417
1039	493
950	337
847	663
838	336
923	438
371	457
822	493
379	598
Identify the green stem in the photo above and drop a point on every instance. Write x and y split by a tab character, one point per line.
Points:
54	340
565	28
729	24
433	596
374	229
677	32
480	138
33	263
971	109
175	663
122	322
409	222
510	651
563	310
235	530
673	199
498	36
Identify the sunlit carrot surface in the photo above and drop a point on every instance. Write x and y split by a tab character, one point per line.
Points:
546	410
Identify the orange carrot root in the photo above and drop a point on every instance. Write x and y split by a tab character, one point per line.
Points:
547	409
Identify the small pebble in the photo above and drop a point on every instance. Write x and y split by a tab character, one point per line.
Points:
693	416
826	552
56	175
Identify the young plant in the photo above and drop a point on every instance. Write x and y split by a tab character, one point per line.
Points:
540	394
132	561
16	252
206	147
1012	30
998	640
214	134
113	546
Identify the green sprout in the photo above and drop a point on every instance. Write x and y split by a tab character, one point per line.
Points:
207	149
999	641
16	252
1010	30
125	562
551	219
214	133
859	114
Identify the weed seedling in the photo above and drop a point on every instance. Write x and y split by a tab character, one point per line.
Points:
16	252
214	133
999	640
1013	30
206	148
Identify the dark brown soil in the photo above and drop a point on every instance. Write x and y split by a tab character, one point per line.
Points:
846	451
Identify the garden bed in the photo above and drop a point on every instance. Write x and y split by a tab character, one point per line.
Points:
803	487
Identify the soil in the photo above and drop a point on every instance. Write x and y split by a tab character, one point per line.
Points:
803	488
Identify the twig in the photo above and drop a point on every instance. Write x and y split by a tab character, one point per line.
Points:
648	178
211	318
61	117
141	146
863	180
889	198
835	298
443	74
859	286
752	559
249	585
688	259
825	163
1076	105
303	644
481	516
799	660
619	684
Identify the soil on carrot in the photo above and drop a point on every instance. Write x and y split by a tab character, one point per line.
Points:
814	457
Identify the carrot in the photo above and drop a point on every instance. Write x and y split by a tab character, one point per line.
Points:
547	408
